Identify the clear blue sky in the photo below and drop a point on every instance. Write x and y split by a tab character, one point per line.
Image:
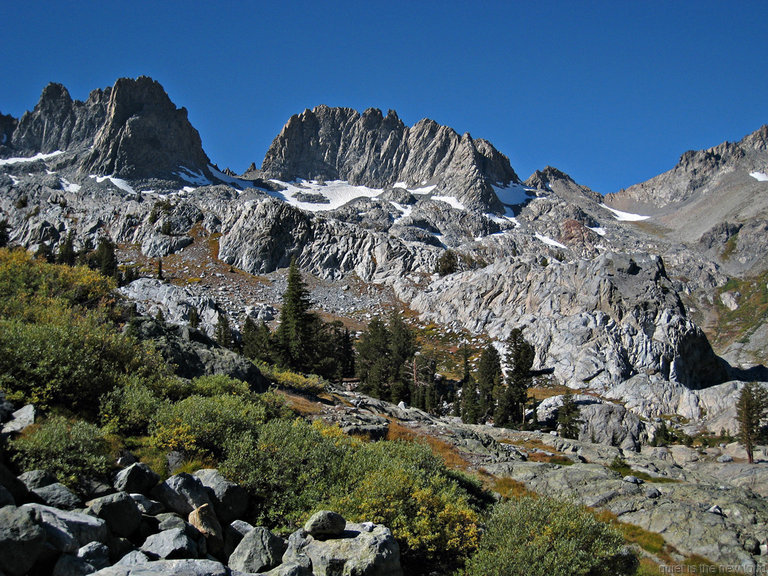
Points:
610	92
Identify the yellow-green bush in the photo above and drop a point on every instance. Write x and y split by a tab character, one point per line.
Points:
207	425
546	537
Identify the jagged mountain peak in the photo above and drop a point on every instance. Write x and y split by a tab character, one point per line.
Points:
374	150
144	135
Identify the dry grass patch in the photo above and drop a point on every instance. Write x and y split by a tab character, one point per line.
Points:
450	455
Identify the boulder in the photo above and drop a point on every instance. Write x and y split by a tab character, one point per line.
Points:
13	485
230	500
181	493
368	549
170	544
291	569
325	524
258	551
119	511
20	419
68	531
71	565
6	498
22	540
133	558
37	479
58	496
168	568
96	554
205	521
147	505
233	534
136	478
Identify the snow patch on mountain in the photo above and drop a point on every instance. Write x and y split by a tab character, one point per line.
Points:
35	158
512	194
331	195
759	176
450	200
68	186
118	182
625	216
549	242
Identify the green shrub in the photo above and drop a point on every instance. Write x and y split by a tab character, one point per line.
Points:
70	450
207	425
541	536
218	384
290	467
129	409
69	363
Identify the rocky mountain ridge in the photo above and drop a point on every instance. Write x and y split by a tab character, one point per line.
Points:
604	297
378	151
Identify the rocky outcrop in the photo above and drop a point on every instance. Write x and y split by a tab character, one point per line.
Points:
144	135
594	323
195	354
57	123
378	151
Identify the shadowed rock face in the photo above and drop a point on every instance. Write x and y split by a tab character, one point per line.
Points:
375	150
144	135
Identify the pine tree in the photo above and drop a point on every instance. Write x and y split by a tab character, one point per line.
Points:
488	379
159	268
5	236
45	252
194	318
223	332
466	375
470	410
104	259
66	253
294	336
372	363
568	417
402	347
751	410
519	358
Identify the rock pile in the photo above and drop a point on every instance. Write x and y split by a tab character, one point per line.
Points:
187	524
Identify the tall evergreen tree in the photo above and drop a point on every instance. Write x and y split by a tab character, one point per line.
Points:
402	347
223	332
66	253
159	268
470	408
5	236
294	335
194	318
489	377
104	259
466	375
751	411
373	364
519	358
568	417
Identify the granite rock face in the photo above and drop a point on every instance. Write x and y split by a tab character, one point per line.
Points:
144	135
377	151
58	123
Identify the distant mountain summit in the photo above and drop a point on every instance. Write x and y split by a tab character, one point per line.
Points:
131	130
380	151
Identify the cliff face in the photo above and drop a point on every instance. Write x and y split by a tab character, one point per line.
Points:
378	151
144	135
